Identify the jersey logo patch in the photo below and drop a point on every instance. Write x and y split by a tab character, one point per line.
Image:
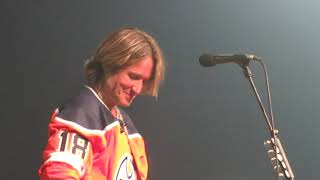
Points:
125	171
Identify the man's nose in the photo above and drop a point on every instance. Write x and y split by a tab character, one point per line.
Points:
137	87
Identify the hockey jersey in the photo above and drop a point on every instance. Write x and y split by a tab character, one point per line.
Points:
86	142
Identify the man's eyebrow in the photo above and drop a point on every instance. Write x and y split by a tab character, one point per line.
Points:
135	74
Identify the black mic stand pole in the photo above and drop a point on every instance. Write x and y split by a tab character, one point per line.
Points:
275	149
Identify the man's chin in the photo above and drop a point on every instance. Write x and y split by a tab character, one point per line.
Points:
125	103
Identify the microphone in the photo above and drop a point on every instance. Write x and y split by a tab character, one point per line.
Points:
208	60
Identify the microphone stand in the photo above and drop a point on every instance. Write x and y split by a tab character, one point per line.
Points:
275	149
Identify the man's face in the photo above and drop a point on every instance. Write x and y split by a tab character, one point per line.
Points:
121	88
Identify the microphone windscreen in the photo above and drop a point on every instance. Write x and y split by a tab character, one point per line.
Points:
206	60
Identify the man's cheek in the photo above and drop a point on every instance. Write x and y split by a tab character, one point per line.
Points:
118	89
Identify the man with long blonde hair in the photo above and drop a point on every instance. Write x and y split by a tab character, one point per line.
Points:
90	136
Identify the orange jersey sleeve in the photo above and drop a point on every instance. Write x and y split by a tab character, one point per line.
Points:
68	154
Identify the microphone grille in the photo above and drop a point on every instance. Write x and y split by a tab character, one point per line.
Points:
206	60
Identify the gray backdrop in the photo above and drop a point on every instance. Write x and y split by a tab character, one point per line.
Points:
206	123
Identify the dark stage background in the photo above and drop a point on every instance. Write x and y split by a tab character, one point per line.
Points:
206	123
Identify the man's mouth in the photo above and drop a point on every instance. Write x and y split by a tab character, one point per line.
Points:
127	94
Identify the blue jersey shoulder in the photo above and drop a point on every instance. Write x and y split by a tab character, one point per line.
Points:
86	110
